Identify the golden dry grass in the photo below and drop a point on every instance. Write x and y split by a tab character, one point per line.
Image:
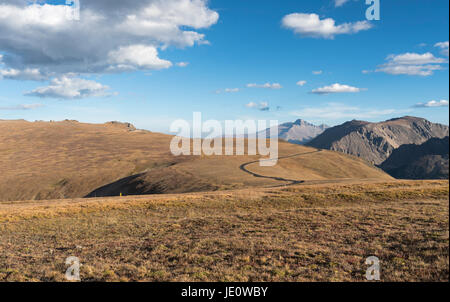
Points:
56	160
320	232
245	228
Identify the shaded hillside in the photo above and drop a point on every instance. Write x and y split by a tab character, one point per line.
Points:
375	142
53	160
426	161
298	132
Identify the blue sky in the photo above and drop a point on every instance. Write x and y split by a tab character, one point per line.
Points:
350	71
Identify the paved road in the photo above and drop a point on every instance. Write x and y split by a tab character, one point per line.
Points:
291	182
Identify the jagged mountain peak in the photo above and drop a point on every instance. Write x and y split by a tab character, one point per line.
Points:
299	132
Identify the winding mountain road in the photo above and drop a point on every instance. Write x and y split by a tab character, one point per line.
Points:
292	182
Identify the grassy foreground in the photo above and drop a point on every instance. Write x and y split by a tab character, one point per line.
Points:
321	232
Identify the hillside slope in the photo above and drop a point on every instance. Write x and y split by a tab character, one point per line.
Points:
300	233
426	161
52	160
375	142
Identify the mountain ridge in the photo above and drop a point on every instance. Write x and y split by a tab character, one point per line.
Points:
298	132
429	160
375	142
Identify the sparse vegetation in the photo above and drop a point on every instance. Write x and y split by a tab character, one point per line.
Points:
321	232
42	160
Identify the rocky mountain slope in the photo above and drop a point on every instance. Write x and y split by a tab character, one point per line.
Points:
299	132
426	161
375	142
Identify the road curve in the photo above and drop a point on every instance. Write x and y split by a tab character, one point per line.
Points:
291	182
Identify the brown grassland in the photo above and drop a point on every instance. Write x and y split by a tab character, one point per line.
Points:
42	160
217	218
321	232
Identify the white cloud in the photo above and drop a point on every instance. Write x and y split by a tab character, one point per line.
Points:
28	74
336	88
412	64
22	107
441	103
443	46
415	59
40	36
135	57
310	25
317	72
71	88
336	111
420	70
262	106
182	64
266	85
339	3
301	83
228	90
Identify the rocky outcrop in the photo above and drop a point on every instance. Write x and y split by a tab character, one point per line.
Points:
426	161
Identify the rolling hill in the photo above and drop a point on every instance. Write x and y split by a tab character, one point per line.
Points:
68	159
375	142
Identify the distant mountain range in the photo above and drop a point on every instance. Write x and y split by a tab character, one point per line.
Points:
426	161
299	132
375	142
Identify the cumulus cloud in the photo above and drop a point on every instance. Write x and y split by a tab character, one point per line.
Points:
262	106
71	88
336	88
301	83
266	85
415	59
443	46
412	64
22	107
310	25
135	57
420	70
317	72
433	103
105	39
27	74
336	111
